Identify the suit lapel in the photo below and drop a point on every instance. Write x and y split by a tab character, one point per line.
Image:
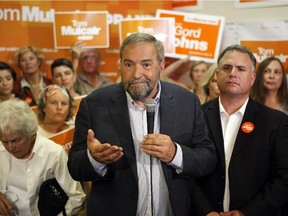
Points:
120	116
167	112
167	119
214	127
249	116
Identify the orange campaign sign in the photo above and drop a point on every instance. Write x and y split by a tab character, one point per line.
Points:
160	28
263	49
64	137
259	3
196	35
90	27
186	5
31	23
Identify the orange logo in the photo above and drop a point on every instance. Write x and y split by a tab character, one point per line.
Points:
91	27
247	127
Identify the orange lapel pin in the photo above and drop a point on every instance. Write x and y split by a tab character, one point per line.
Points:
247	127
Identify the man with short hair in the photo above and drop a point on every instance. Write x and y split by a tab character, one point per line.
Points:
89	78
251	177
133	172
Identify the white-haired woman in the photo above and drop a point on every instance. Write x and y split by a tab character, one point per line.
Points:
27	160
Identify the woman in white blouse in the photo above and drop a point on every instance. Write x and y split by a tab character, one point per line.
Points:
28	159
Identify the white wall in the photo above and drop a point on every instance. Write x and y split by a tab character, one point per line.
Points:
227	9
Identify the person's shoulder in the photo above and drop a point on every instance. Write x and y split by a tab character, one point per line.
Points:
47	80
106	81
105	92
179	94
2	148
17	85
172	87
209	104
48	150
109	88
267	112
48	144
80	77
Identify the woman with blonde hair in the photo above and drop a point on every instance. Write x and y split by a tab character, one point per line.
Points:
196	69
209	84
32	82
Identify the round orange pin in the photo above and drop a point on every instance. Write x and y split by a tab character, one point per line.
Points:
247	127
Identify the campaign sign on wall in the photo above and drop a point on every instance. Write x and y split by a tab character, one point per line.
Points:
196	35
263	49
90	27
160	28
264	38
259	3
187	5
31	23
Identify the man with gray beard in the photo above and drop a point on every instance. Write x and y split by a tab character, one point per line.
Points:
135	172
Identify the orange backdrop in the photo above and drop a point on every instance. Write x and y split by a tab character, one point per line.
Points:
31	23
263	49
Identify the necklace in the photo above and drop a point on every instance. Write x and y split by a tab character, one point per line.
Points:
34	85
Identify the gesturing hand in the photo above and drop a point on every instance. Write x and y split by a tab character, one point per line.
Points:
104	153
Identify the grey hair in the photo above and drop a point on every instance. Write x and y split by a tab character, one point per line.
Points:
143	37
238	48
17	116
94	50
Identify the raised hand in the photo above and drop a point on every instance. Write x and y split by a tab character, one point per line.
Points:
104	153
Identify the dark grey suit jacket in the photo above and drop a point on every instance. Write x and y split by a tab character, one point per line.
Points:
258	170
105	112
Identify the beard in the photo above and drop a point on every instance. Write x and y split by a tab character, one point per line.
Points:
139	88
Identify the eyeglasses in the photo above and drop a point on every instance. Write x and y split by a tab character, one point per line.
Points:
86	58
15	141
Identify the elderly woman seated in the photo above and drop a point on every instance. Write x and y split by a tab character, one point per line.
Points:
27	160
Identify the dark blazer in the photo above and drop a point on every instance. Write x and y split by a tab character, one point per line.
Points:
105	112
258	170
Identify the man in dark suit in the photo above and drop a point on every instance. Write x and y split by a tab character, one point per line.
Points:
134	173
251	177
